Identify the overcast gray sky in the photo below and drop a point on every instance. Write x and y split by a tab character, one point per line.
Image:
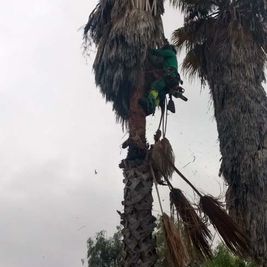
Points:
56	130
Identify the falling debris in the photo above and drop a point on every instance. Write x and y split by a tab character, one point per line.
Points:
82	227
194	159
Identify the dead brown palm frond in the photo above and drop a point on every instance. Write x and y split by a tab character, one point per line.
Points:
196	231
233	237
177	255
230	232
161	163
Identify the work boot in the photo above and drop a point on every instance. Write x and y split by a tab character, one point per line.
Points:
147	106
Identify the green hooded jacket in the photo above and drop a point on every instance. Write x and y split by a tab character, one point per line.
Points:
169	56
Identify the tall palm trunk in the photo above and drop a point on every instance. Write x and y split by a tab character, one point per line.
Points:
241	113
138	221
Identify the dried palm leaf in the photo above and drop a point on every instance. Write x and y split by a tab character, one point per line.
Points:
161	162
230	232
196	231
233	237
177	254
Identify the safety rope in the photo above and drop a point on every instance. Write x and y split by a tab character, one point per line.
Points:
166	119
163	119
163	123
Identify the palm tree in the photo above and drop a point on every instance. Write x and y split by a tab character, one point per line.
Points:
225	41
123	32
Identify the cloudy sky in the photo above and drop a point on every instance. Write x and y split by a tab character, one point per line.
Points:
56	130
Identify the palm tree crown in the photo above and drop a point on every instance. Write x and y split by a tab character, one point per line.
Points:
123	31
210	24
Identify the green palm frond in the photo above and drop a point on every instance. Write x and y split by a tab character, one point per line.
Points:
180	37
193	37
193	33
193	62
215	24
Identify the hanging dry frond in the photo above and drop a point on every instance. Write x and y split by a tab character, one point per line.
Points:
177	254
233	237
196	231
162	154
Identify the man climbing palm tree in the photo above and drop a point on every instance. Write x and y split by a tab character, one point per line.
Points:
162	86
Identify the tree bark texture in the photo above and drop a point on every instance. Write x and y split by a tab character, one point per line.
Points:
235	75
137	220
137	122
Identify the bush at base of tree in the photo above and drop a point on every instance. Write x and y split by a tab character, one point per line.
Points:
105	252
223	258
